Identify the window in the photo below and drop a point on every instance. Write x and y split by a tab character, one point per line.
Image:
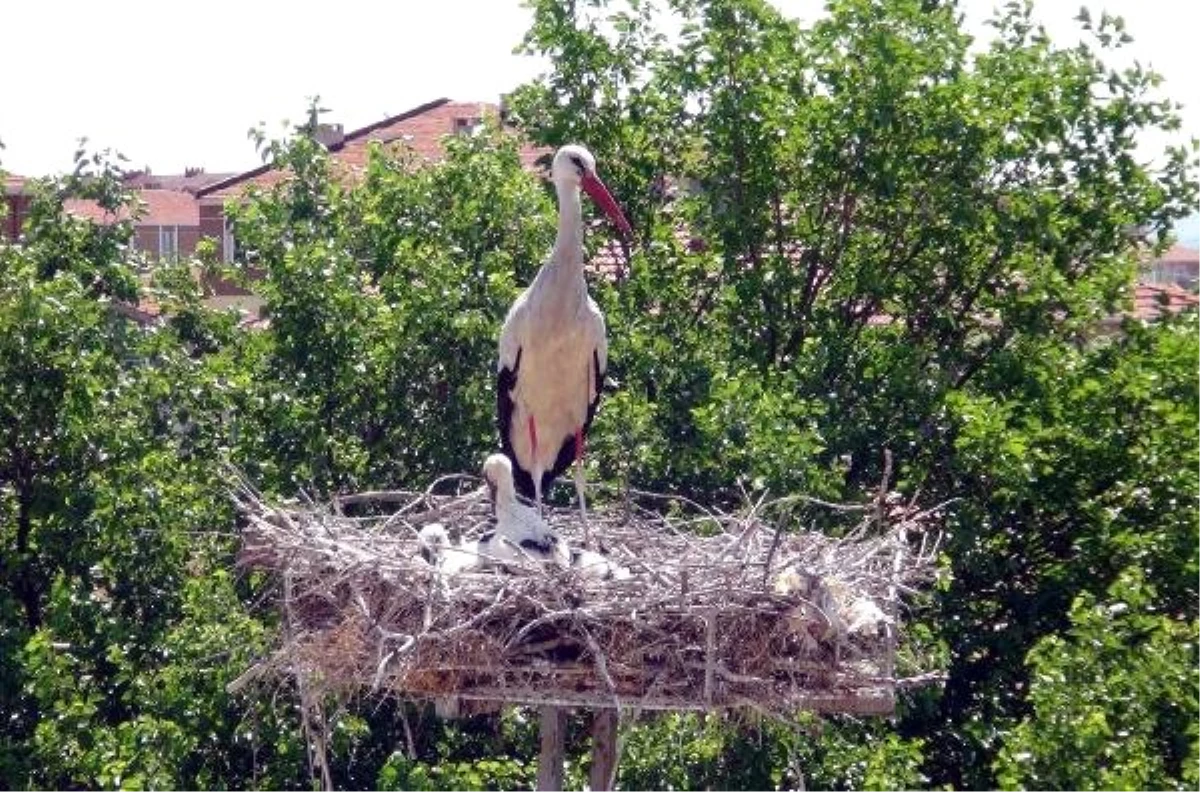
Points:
168	242
228	247
467	126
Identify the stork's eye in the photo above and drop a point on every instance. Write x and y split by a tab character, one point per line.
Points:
578	160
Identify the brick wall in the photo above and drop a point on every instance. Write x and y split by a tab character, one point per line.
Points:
212	220
145	239
188	237
16	210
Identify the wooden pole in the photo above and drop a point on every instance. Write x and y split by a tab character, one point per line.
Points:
604	749
554	741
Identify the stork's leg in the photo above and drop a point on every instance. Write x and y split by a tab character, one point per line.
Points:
587	534
537	469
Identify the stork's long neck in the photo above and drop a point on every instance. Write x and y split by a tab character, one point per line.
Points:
568	245
513	518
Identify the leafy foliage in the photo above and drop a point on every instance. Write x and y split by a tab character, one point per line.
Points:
870	167
115	522
1112	698
1081	471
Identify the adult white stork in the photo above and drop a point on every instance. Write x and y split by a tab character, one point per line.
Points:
553	346
521	533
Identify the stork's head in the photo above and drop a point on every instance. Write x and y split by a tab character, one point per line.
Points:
497	473
575	167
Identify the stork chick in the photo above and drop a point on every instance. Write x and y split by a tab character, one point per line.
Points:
450	558
596	566
520	532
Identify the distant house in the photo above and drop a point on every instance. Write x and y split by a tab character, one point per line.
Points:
420	130
1179	266
168	227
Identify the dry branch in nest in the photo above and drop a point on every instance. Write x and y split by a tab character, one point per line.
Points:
720	610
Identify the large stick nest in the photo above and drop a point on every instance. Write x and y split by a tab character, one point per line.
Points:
720	610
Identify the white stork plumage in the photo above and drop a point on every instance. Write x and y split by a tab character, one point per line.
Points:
553	346
520	533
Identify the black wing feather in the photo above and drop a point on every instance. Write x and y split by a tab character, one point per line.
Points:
506	380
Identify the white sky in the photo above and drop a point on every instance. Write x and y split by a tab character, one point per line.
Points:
179	88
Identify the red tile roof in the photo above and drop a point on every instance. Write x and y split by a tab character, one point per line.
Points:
420	129
146	312
14	185
162	208
265	175
1153	300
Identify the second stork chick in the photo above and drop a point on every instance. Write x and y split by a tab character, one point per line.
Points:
449	557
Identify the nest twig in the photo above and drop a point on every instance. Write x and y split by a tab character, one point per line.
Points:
701	622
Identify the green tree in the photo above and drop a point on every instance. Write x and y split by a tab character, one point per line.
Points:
885	237
1076	466
119	623
1113	699
870	167
61	345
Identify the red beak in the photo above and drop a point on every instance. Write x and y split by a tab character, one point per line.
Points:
600	194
